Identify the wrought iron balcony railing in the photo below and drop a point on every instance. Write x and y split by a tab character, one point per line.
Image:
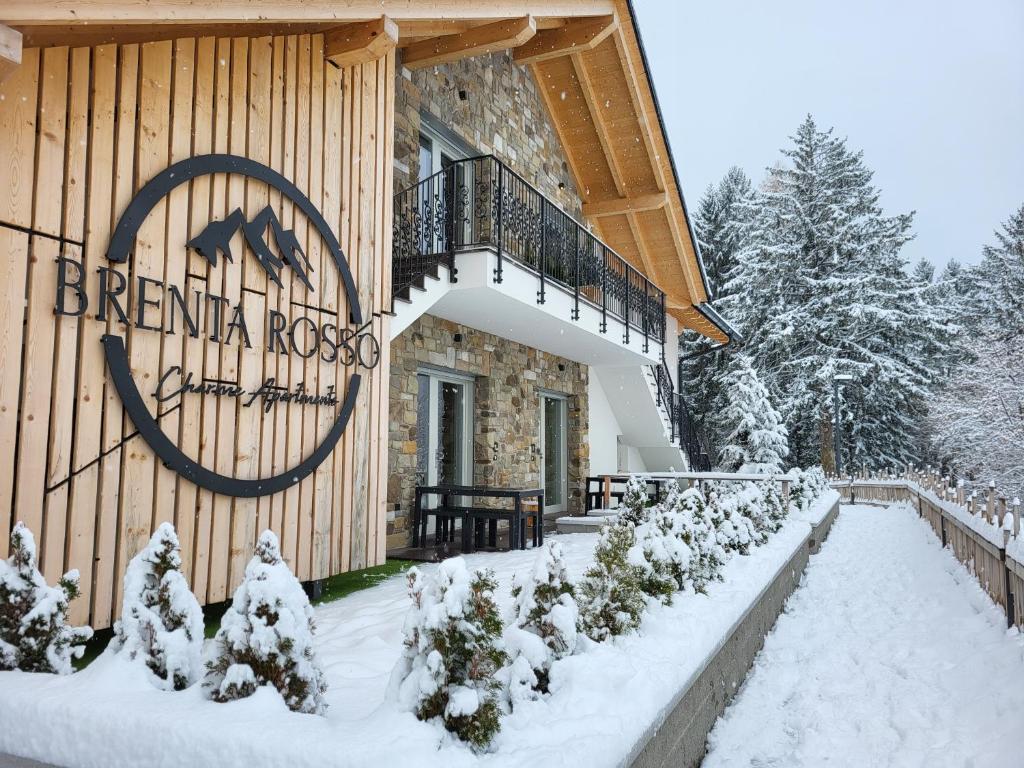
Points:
684	429
481	203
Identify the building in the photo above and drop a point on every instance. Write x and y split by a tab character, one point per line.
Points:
275	271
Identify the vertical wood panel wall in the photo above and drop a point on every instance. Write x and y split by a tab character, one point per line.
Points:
82	131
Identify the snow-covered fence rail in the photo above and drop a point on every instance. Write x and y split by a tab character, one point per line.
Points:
983	534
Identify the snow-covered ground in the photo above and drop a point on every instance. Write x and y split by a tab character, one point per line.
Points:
601	704
888	655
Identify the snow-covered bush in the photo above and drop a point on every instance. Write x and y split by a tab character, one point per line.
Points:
34	633
452	652
699	533
266	637
809	485
773	504
758	441
544	627
610	598
161	622
661	551
633	508
734	532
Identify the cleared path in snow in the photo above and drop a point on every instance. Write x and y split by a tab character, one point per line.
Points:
889	654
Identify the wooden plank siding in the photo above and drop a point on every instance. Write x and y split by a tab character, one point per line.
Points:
84	130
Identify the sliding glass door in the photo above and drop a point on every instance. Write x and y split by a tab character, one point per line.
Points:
445	429
554	452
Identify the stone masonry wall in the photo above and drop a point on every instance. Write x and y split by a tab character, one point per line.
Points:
494	105
506	411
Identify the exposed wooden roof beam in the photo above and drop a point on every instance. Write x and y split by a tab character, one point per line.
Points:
597	116
576	36
617	206
353	44
497	36
17	13
10	51
646	129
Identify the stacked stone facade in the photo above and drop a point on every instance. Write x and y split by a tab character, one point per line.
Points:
495	106
509	379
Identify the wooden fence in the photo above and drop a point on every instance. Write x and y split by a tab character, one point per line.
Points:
985	536
83	129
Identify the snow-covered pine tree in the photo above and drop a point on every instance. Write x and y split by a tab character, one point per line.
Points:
757	441
266	637
820	288
700	535
161	622
34	633
720	219
734	532
453	652
633	508
544	628
610	599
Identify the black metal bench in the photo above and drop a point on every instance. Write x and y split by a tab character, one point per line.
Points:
473	517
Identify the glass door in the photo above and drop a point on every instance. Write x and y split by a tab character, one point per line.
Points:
445	430
554	453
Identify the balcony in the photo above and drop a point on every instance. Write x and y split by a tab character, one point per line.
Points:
481	204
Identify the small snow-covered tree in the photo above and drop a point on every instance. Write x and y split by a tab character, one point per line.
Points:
734	532
699	533
544	629
161	622
266	637
610	598
633	508
453	652
758	441
34	633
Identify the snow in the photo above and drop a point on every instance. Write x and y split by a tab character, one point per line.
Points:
603	699
889	654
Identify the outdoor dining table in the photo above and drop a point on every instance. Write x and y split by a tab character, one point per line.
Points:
473	517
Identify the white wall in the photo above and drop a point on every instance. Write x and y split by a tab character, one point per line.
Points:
672	348
603	434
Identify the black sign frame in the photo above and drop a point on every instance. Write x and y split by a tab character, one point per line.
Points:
119	249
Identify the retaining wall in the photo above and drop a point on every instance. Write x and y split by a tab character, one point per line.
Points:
680	738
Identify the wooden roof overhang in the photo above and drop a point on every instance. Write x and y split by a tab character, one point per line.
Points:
586	56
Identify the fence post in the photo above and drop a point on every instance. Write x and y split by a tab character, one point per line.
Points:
576	291
500	223
604	290
785	495
1016	517
542	257
990	503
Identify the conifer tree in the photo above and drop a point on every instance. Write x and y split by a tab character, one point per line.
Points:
453	652
544	629
34	633
758	441
610	598
633	508
161	621
821	288
266	637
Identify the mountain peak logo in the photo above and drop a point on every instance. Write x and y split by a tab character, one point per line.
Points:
216	237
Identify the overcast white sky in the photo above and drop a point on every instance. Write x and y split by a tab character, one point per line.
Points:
931	90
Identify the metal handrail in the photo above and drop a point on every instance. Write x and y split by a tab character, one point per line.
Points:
481	202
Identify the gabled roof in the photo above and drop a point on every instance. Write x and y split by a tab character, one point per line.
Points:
586	55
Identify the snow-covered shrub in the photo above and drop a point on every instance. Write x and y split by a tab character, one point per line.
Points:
452	652
266	637
773	504
758	441
661	551
809	485
34	633
161	622
610	598
734	532
750	504
700	535
633	508
544	627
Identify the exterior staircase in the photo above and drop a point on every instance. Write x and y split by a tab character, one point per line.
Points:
677	418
